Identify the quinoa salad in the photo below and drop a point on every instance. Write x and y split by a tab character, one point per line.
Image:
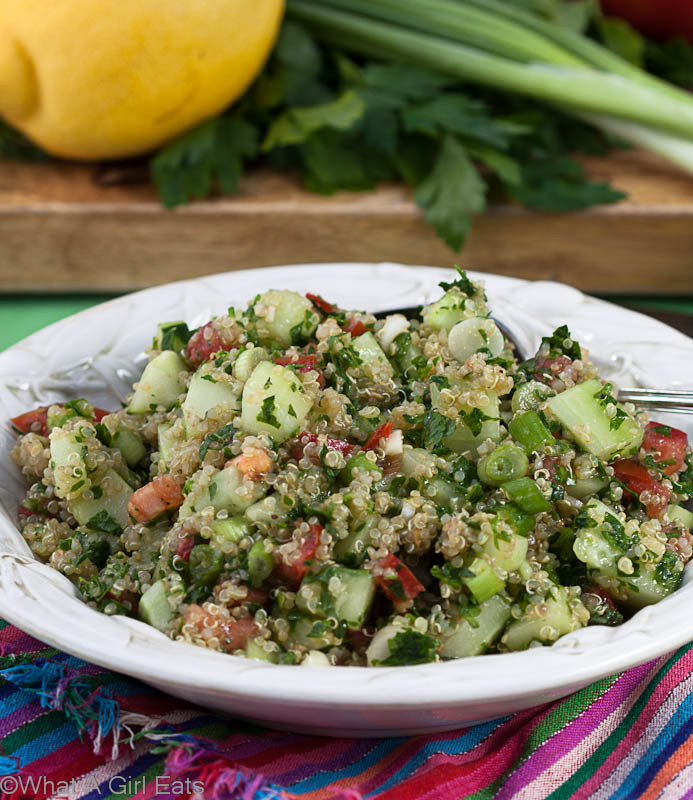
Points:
303	484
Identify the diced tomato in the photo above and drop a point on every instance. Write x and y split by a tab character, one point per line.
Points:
253	463
379	433
203	343
236	632
549	367
303	363
355	327
306	362
154	499
185	546
397	581
332	444
36	421
323	305
638	481
665	443
32	421
292	572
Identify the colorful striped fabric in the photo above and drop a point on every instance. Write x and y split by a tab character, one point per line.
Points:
70	729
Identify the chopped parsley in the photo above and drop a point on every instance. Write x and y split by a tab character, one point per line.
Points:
266	413
410	647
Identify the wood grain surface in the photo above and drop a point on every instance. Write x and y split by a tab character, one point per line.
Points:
62	230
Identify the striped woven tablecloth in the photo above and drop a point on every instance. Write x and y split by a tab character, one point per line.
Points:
69	729
73	730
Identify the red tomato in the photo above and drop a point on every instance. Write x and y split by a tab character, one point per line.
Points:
546	369
185	546
355	327
303	363
323	305
154	499
397	581
332	444
379	433
100	413
292	572
638	480
659	19
203	343
236	632
32	421
666	444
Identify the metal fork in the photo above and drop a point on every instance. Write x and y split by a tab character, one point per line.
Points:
671	401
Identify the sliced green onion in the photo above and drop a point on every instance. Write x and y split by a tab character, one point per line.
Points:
528	430
527	495
534	58
260	564
483	583
204	565
505	463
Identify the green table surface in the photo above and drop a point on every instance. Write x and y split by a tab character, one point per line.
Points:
23	314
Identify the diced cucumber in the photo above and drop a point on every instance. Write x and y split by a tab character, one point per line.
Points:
162	381
506	550
112	503
269	511
414	457
449	495
462	438
256	651
233	529
204	565
68	464
285	317
260	563
471	335
474	634
351	550
154	608
205	393
130	445
681	513
168	441
370	352
453	307
484	582
601	546
406	355
246	362
358	462
274	401
312	632
529	396
340	592
583	414
586	487
542	621
223	493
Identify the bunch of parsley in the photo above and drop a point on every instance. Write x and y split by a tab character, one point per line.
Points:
344	124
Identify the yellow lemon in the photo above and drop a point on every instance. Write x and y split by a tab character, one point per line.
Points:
90	79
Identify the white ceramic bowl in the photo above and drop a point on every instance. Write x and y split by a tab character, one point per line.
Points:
98	354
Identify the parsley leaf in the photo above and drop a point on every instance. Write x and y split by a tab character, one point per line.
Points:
451	192
410	647
435	428
103	521
186	167
266	413
217	440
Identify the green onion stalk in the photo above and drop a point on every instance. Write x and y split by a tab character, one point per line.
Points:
494	44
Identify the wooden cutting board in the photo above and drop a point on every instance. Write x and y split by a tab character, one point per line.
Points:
62	230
